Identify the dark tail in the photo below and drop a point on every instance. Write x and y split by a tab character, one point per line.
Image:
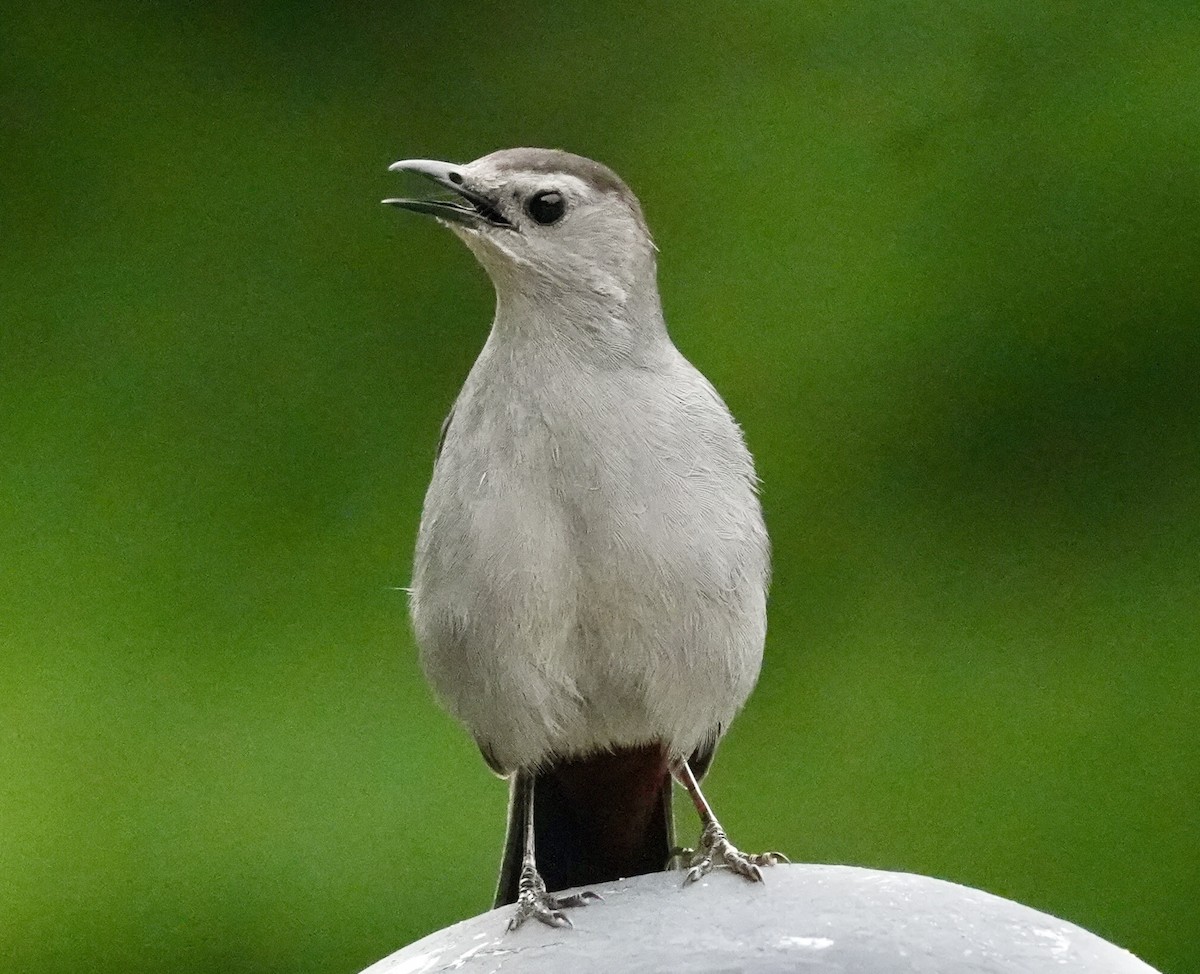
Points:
595	819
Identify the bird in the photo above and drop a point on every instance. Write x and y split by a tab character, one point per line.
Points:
590	578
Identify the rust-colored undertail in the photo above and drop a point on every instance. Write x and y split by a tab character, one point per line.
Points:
595	819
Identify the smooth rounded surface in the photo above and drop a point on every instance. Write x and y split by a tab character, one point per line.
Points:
815	919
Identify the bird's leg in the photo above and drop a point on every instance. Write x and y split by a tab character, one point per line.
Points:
714	847
532	898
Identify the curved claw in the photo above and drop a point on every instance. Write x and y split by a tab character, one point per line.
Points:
716	849
542	911
552	918
534	901
578	899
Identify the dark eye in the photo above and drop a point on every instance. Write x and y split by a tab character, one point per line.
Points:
546	207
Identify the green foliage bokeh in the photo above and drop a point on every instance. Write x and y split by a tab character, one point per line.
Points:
941	258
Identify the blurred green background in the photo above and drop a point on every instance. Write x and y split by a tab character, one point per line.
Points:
942	258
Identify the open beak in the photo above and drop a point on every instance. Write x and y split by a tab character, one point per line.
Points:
466	207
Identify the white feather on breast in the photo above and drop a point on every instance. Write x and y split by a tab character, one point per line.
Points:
591	566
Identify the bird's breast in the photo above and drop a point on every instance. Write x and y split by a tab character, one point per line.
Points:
594	555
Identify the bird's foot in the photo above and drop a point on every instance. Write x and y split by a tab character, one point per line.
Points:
534	901
715	849
680	858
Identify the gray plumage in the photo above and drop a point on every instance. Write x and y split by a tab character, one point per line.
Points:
591	567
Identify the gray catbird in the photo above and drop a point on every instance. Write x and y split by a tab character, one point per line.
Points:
590	582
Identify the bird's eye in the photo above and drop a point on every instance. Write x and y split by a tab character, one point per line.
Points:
546	207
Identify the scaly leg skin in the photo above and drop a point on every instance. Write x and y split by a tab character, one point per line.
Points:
714	847
534	901
532	898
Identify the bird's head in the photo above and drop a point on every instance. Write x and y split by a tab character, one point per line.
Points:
548	226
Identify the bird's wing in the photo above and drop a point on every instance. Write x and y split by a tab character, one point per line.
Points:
442	435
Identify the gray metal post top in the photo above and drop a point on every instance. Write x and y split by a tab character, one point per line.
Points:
814	919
